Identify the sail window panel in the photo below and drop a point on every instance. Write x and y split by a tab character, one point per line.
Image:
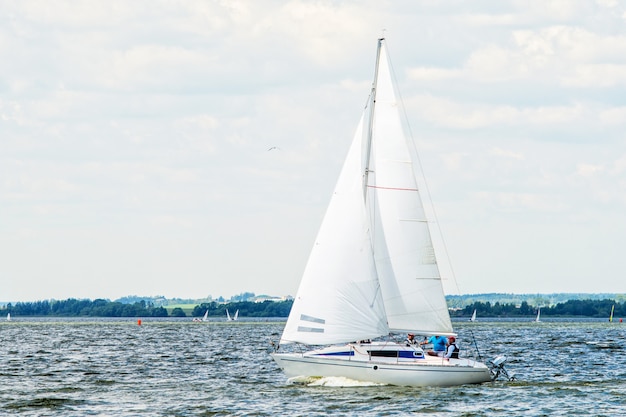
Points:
304	317
310	329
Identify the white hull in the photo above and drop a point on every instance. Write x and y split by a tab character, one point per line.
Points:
423	370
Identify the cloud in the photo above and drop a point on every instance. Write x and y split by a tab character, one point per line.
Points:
566	55
587	170
507	154
430	74
474	115
139	131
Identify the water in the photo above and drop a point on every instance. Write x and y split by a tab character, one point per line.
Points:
178	368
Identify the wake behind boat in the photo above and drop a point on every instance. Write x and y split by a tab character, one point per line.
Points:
372	271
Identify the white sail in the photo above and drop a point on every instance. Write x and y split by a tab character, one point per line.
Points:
8	316
473	316
236	316
206	316
228	316
538	318
339	297
405	257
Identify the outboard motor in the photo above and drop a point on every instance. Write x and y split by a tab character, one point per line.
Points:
496	367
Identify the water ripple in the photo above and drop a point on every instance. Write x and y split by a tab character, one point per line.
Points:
179	368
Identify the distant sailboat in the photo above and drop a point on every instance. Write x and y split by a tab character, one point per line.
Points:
234	318
204	318
8	316
611	316
473	316
538	315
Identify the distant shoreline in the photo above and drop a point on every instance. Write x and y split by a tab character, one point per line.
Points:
451	298
484	305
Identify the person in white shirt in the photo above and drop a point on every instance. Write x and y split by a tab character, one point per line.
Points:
452	351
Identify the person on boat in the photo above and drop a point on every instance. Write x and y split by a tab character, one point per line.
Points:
453	350
439	345
410	339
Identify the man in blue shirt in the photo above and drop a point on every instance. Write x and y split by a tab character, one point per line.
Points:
439	345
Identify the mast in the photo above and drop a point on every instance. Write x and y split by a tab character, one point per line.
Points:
370	128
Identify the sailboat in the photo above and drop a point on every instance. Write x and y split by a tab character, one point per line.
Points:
611	316
473	318
206	316
8	316
233	318
538	315
372	272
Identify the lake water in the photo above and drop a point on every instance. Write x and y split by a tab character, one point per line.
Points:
103	367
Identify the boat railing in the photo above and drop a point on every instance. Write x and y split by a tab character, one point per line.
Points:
354	348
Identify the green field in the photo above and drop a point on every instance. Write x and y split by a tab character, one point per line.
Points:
187	308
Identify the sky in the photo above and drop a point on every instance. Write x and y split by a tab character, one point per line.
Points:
135	137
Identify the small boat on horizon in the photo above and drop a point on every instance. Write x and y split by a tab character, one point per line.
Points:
234	318
473	318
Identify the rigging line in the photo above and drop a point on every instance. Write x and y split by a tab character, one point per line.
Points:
421	170
366	139
370	127
480	358
380	187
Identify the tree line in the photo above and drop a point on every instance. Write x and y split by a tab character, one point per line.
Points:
84	308
104	308
583	308
460	301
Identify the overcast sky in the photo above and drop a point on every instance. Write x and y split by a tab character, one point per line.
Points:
134	140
